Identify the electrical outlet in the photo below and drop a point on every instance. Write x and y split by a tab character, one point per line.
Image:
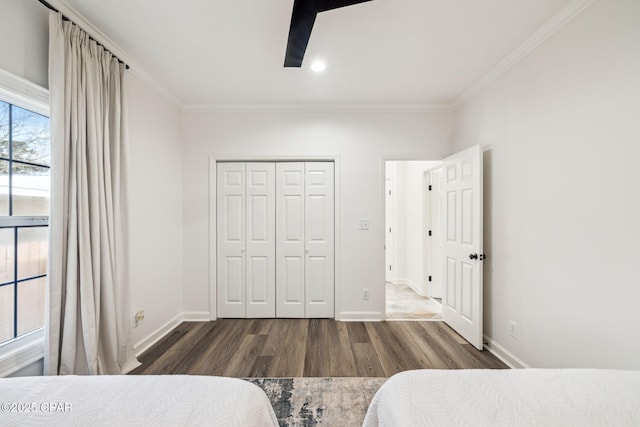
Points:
365	294
364	224
138	318
513	329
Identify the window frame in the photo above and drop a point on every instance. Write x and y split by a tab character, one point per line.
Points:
26	349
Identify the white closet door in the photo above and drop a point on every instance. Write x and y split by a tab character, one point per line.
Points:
260	240
290	240
319	233
230	211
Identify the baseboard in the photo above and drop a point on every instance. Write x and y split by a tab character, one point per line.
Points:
504	355
144	344
188	316
360	316
415	288
196	316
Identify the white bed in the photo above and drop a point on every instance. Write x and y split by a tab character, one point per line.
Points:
169	400
520	397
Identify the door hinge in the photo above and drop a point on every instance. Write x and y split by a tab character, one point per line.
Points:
429	278
389	268
430	187
430	233
389	229
389	192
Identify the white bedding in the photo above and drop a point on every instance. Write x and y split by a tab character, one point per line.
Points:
170	400
522	397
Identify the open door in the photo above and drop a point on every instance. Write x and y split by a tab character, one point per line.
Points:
463	256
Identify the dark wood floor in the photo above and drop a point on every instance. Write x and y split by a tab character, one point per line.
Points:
310	348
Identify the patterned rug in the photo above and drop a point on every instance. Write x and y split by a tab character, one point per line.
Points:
319	401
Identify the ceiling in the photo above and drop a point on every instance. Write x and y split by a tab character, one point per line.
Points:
423	52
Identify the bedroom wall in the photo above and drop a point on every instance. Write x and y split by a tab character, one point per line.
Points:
361	140
155	186
24	40
154	171
561	134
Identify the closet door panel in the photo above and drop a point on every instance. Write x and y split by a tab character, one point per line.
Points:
290	240
319	232
260	240
230	211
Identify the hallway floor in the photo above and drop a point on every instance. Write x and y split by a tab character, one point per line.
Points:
403	303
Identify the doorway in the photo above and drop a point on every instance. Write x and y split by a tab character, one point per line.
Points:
413	244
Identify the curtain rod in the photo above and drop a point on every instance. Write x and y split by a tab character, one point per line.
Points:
65	18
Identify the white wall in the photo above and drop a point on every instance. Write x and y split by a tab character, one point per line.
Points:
361	140
24	40
155	172
398	174
155	186
562	134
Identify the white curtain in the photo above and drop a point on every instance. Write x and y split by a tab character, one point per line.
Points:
88	330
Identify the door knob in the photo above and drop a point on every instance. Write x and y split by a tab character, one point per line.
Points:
473	256
480	257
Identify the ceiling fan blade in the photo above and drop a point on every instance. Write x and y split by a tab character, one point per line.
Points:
302	20
324	5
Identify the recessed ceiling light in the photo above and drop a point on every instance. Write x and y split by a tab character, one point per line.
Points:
318	66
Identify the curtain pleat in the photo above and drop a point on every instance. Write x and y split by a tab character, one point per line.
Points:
87	326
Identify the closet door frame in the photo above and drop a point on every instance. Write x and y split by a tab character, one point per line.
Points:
213	161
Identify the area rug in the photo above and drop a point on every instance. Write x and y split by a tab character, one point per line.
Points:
403	303
319	401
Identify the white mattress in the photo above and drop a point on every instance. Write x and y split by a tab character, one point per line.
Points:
171	400
522	397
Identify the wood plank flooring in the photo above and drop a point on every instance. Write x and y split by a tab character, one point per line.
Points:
310	348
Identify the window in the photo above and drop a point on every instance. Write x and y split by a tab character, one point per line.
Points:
24	208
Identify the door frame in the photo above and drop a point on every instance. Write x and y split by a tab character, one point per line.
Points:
429	224
390	223
220	158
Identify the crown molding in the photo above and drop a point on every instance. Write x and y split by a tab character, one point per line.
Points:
549	28
22	92
113	47
317	108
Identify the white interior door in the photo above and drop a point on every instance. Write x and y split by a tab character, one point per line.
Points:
290	240
260	240
319	234
230	211
463	255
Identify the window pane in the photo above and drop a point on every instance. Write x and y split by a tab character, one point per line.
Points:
31	295
32	252
4	129
6	255
30	136
6	313
30	190
4	188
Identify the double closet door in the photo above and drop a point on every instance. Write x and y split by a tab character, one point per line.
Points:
275	239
